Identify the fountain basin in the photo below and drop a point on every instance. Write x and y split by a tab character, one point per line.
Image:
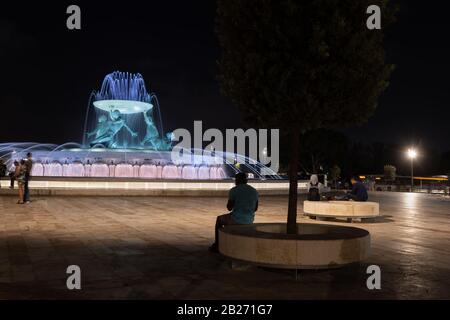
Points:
315	246
123	106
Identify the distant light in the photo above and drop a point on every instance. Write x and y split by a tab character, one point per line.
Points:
412	153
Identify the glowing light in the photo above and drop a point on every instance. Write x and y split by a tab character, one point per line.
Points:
412	154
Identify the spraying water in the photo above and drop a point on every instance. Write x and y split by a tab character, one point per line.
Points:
123	137
125	115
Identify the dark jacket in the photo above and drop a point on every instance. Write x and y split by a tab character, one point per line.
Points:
2	170
359	192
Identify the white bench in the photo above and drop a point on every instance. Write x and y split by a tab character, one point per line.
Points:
315	246
341	209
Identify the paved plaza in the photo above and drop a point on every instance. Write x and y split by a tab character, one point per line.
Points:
157	248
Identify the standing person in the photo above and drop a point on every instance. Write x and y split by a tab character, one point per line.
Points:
242	202
2	170
28	168
20	177
12	174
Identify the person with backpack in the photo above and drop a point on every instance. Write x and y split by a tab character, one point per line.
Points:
314	188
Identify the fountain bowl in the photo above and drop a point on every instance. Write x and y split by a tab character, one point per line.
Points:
123	106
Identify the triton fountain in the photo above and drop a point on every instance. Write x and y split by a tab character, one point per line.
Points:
123	137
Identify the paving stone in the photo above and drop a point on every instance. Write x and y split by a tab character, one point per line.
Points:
157	248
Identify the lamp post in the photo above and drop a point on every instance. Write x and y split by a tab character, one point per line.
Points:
412	154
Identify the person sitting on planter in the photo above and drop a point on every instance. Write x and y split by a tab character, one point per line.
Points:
314	188
359	191
242	202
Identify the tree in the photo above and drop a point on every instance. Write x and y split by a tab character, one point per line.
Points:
322	148
301	65
390	173
335	174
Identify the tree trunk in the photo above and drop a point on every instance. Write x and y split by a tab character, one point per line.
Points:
293	182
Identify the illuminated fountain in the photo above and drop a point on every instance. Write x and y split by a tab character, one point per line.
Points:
123	116
123	137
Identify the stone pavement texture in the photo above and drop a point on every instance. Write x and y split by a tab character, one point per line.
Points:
156	248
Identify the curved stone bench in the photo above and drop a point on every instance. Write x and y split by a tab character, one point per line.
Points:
316	246
341	209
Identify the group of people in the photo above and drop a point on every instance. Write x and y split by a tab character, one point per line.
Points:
243	201
21	173
358	192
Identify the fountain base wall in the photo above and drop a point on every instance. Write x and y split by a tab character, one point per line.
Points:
109	163
47	186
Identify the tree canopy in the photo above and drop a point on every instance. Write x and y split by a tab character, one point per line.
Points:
302	64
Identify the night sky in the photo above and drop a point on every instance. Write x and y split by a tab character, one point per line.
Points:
48	71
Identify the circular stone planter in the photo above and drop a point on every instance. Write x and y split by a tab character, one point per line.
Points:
315	246
341	209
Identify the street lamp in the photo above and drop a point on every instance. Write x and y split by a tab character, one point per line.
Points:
412	154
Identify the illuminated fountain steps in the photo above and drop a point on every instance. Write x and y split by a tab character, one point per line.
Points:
64	186
203	173
53	170
148	171
100	170
189	172
73	170
38	170
136	171
217	173
87	170
170	172
123	170
127	163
